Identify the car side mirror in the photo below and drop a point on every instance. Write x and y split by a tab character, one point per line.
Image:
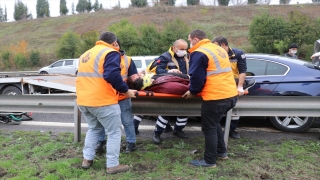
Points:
250	74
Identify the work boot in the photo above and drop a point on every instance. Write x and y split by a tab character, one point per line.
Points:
156	138
117	169
86	164
234	135
136	130
202	163
168	128
100	145
222	156
130	147
179	134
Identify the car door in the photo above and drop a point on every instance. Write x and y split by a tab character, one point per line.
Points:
68	67
55	68
268	74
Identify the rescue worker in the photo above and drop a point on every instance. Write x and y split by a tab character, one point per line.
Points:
238	62
173	61
293	48
211	75
128	69
97	85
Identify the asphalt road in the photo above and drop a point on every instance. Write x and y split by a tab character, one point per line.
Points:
248	127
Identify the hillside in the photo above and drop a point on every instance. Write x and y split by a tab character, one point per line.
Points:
232	22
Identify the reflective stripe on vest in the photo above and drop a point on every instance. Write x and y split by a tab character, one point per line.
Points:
216	62
95	67
126	62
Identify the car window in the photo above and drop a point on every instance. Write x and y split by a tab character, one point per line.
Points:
68	62
148	61
276	69
57	64
256	67
138	63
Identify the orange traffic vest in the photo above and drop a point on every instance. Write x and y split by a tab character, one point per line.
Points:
91	88
220	82
124	65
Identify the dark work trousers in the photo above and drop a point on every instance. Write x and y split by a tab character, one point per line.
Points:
211	115
162	122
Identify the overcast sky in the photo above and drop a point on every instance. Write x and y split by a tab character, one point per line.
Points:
55	5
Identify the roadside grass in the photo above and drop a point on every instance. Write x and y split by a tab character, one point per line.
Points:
50	156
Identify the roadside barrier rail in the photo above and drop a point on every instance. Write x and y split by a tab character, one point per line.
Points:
246	106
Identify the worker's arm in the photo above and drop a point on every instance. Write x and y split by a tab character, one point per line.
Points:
132	69
197	72
242	67
111	72
162	63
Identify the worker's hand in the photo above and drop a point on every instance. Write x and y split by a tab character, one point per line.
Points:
240	90
188	95
174	71
312	57
130	93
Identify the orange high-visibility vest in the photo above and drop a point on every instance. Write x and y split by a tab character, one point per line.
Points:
220	82
91	88
124	65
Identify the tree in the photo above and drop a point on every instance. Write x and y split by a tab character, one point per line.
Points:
3	14
68	45
193	2
72	8
88	40
173	30
42	8
63	7
96	6
252	1
82	6
168	2
223	2
284	1
265	31
139	3
89	6
21	11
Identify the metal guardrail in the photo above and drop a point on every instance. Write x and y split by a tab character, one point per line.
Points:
246	106
18	72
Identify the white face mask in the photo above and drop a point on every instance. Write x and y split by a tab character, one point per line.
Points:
293	51
181	53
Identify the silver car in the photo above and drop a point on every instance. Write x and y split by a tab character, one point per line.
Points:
63	66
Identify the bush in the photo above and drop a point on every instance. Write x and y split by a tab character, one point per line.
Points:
128	36
265	31
302	29
34	58
173	30
68	46
149	39
20	60
5	57
89	40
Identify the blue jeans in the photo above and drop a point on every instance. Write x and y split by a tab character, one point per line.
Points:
127	122
99	118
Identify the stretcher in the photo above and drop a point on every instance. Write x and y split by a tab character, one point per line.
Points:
14	117
154	94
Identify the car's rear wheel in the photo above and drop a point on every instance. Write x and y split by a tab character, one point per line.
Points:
292	123
44	72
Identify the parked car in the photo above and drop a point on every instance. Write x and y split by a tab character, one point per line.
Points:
142	62
282	76
63	66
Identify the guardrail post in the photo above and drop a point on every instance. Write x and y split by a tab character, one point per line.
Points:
77	122
227	127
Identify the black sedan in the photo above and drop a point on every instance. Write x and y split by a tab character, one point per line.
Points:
282	76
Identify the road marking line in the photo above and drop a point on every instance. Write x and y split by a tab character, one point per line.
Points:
151	127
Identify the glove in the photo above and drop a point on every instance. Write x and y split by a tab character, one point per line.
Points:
240	90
